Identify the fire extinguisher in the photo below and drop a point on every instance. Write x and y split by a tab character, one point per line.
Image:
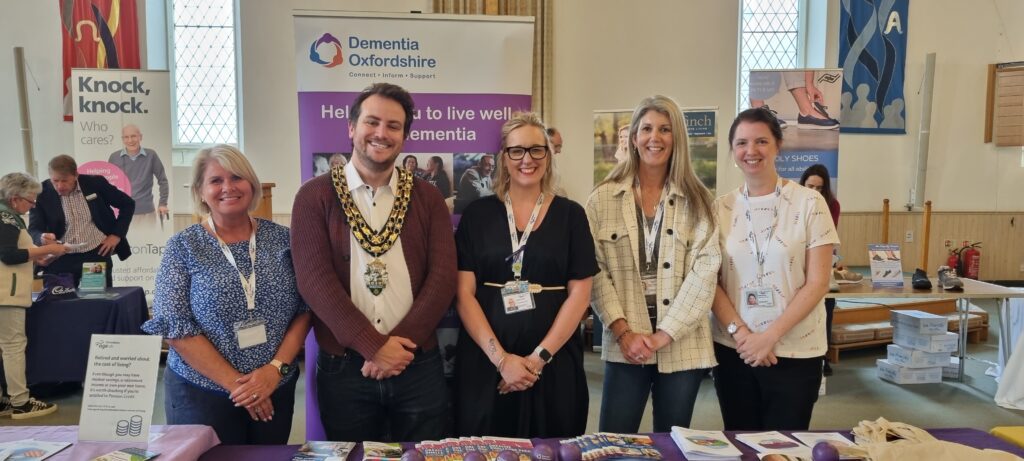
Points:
954	260
970	258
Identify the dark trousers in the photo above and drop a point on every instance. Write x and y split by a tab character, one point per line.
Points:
626	387
410	406
186	403
830	308
776	398
71	263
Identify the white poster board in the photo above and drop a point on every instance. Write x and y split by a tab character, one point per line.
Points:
120	388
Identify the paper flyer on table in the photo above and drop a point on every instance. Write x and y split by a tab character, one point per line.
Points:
120	388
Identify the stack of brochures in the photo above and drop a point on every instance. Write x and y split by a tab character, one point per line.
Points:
607	445
30	449
324	451
704	445
489	447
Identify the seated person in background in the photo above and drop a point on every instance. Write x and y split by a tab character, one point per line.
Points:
227	303
76	210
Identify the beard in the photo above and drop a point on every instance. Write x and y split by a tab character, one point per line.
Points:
365	159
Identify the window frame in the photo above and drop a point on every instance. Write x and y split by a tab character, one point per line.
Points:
802	26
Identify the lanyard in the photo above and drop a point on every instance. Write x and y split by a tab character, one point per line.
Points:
651	234
248	284
519	246
760	253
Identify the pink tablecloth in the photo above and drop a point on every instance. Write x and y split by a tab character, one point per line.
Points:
184	442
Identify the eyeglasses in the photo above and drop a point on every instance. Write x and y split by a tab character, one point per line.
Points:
31	202
518	152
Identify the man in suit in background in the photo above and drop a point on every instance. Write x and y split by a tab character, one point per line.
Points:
141	165
76	210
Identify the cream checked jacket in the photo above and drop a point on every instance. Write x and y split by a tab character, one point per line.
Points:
687	276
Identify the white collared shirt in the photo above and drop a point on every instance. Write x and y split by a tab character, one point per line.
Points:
386	310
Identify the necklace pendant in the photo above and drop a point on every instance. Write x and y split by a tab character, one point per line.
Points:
376	276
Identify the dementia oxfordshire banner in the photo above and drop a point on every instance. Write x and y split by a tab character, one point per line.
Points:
466	74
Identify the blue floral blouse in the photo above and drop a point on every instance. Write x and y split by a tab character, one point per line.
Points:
198	293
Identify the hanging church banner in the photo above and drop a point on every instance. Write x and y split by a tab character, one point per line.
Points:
873	52
466	74
97	34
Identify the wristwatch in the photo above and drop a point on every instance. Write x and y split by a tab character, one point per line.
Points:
733	328
282	367
543	354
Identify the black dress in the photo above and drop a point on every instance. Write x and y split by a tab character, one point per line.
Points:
558	251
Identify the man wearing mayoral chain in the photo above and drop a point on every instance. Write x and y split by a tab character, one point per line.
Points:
375	259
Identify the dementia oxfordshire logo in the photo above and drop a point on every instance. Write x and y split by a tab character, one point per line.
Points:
333	47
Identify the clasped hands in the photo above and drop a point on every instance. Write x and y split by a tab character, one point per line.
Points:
253	391
637	348
756	349
391	359
519	373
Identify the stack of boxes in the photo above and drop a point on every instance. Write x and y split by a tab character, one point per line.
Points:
921	351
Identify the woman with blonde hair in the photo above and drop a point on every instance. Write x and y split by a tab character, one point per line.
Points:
657	246
519	371
227	303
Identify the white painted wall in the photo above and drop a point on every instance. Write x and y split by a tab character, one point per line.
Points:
609	54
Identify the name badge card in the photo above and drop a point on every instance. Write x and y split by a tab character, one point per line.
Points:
251	333
650	284
120	388
759	309
516	297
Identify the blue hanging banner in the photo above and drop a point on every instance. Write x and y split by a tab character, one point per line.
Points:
873	53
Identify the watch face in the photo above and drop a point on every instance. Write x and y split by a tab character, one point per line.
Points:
733	328
285	369
545	355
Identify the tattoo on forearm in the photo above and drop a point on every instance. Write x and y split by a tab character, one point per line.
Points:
492	347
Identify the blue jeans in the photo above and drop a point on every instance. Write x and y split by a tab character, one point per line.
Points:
627	386
186	403
410	406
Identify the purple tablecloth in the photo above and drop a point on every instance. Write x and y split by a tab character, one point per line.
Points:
970	437
180	442
59	331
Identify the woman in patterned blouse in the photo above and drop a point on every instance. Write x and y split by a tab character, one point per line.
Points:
777	238
657	247
227	303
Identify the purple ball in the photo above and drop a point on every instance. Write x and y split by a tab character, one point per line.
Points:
824	451
474	456
508	455
543	452
569	452
413	454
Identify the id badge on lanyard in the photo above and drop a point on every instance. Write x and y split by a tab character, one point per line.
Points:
759	306
253	331
515	295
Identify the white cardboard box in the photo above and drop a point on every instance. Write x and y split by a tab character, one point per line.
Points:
903	375
951	368
920	322
913	358
946	342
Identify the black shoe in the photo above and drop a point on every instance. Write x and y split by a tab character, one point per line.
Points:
920	280
32	409
827	369
877	258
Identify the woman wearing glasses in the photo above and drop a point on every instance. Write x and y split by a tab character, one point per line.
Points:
657	245
526	260
777	237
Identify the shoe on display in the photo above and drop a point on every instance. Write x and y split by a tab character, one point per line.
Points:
807	122
846	276
821	109
5	406
32	409
877	258
948	279
886	274
920	280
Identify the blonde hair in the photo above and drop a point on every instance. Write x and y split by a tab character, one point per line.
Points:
502	180
231	159
680	172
